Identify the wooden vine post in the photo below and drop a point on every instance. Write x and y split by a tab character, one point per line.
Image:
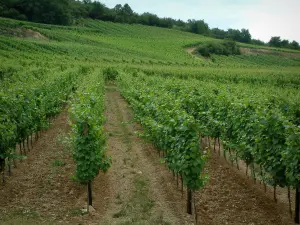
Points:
90	195
2	168
189	202
297	205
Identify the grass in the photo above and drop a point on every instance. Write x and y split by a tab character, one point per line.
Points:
125	134
58	163
23	217
65	141
139	206
76	212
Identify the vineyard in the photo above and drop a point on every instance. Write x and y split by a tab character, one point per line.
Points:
190	110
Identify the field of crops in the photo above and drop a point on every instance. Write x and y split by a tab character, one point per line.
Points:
248	104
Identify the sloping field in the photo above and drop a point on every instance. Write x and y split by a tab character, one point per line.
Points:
138	88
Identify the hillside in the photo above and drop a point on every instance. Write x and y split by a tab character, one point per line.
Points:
108	41
195	111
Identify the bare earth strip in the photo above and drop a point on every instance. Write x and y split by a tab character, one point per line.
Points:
250	51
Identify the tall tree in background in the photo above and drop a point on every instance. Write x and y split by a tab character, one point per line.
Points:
218	33
294	45
245	36
124	14
285	43
149	19
198	27
42	11
10	9
275	41
96	10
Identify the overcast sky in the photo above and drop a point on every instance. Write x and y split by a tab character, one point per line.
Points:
264	18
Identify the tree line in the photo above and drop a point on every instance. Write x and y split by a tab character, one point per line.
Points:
65	12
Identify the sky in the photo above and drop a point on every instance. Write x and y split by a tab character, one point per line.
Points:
263	18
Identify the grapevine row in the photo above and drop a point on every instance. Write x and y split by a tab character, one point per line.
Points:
172	130
27	107
87	116
256	131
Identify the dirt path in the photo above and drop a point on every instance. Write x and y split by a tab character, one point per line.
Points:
191	51
142	190
251	51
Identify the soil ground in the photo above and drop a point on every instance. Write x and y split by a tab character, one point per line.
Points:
22	33
137	189
253	51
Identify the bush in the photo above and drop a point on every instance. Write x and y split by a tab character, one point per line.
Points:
110	74
219	48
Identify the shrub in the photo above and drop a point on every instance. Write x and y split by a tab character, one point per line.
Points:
110	74
219	48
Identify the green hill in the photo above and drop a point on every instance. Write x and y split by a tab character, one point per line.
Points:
98	43
134	44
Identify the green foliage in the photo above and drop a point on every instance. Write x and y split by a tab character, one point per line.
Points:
170	128
277	42
252	125
88	133
44	11
198	27
242	35
27	110
110	74
218	48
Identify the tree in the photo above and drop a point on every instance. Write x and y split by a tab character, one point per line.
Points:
275	41
79	9
285	43
218	33
56	12
245	36
97	10
198	27
166	22
149	19
118	8
294	45
126	10
234	34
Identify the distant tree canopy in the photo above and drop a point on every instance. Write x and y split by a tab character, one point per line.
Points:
64	12
198	27
242	35
277	42
41	11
